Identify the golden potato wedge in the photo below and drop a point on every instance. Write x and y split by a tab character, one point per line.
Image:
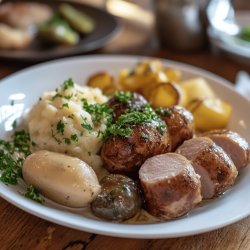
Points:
104	81
134	82
173	75
165	95
196	88
142	75
210	113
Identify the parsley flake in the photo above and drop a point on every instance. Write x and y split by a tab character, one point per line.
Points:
68	84
60	127
33	194
123	97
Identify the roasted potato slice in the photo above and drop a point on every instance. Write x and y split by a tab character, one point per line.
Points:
196	88
104	81
211	113
166	95
143	75
173	75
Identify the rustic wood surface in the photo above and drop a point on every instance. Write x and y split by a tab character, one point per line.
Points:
20	230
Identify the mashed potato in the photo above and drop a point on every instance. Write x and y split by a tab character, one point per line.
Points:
60	123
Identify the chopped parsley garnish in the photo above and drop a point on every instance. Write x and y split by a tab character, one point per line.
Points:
60	127
33	194
57	95
87	126
65	105
68	97
21	141
68	84
12	155
122	127
67	141
123	97
98	112
74	137
163	111
14	124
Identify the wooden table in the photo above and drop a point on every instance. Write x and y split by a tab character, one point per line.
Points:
20	230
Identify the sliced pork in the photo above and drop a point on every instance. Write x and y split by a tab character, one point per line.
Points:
233	144
180	124
210	161
170	185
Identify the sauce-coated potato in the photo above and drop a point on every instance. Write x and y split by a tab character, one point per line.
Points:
64	179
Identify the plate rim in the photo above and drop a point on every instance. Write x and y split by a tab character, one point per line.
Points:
25	203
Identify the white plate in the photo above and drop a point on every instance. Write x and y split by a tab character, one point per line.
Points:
27	85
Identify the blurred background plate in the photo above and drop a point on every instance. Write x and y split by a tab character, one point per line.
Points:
226	21
106	27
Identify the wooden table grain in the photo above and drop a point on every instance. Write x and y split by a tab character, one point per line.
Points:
20	230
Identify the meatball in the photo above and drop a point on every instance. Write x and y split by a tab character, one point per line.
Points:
180	124
122	102
120	198
126	154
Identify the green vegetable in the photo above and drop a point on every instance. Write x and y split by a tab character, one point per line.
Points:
98	112
57	31
33	194
123	97
245	34
12	155
122	127
68	84
78	20
60	127
163	112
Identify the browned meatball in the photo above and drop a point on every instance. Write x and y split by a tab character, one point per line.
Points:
180	124
122	102
120	198
127	154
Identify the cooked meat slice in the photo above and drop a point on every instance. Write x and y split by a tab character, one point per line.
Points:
180	124
127	154
170	185
210	161
122	102
233	144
